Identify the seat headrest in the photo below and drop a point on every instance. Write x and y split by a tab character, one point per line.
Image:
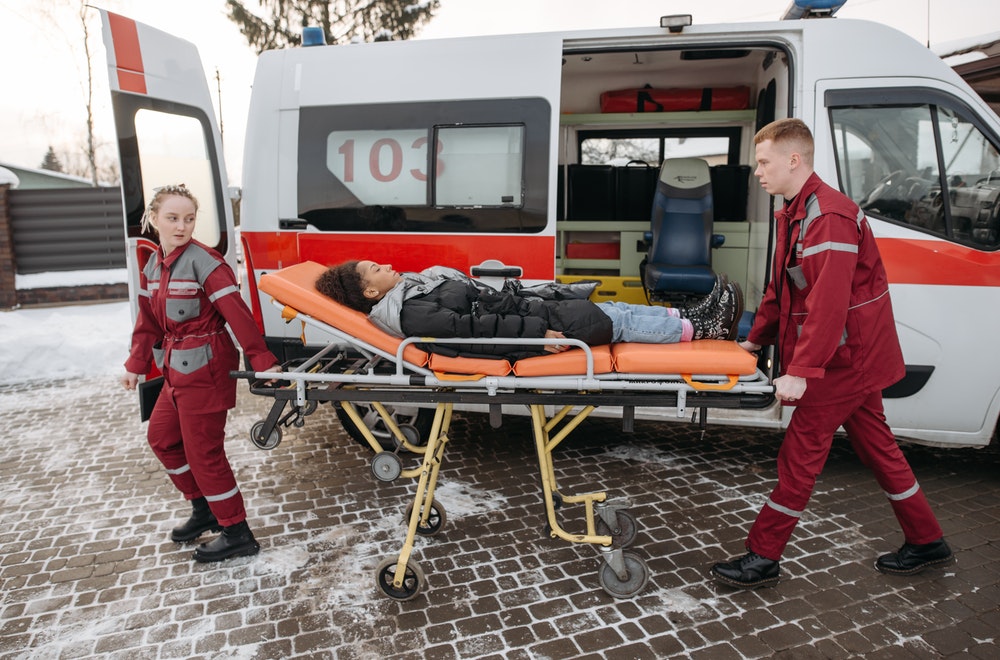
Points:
685	173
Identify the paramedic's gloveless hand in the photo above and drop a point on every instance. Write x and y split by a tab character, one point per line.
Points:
129	380
749	346
789	388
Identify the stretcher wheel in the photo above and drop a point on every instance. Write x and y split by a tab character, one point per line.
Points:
272	440
386	466
413	579
638	576
420	419
624	534
435	521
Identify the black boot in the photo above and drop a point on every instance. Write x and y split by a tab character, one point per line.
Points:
235	541
911	559
748	572
709	302
202	520
723	320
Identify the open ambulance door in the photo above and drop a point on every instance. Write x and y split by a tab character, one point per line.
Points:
167	134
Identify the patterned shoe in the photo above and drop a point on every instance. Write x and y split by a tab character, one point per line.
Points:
722	321
709	302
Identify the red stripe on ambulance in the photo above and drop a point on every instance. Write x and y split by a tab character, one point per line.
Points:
406	252
128	55
938	263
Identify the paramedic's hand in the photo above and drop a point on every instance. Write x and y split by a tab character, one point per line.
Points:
129	380
749	346
274	367
555	348
789	388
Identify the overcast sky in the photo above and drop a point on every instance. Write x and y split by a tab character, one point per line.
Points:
43	99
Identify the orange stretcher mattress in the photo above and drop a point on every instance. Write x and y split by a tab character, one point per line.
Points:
295	288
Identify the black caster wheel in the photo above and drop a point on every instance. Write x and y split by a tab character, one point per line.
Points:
435	521
635	581
386	466
624	533
272	440
413	580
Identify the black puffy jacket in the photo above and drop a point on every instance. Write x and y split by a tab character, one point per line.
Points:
460	309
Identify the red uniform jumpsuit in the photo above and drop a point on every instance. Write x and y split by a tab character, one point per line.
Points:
186	299
828	309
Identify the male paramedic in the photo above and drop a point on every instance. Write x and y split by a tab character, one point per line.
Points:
827	309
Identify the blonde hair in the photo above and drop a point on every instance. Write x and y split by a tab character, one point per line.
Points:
154	204
790	132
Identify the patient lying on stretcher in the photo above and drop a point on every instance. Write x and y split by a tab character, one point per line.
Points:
445	303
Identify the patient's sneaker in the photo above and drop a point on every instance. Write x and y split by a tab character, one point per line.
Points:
723	320
709	302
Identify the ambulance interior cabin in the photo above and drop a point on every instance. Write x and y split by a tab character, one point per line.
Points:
623	113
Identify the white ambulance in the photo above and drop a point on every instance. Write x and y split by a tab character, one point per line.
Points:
524	150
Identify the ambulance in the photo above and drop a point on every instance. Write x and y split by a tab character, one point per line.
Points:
531	155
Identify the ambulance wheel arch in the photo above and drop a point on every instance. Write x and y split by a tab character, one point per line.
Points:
924	164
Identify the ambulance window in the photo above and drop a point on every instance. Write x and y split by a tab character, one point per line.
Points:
718	146
168	144
456	167
923	165
484	166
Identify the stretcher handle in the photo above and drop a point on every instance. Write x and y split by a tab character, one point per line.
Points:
705	387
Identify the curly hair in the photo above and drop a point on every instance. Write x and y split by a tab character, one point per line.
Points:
343	283
154	204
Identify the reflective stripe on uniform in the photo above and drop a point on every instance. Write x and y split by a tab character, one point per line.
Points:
909	492
784	509
180	470
223	292
223	496
830	245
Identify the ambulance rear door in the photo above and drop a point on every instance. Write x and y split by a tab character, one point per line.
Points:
412	153
167	134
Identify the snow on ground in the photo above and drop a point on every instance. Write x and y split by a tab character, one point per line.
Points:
72	341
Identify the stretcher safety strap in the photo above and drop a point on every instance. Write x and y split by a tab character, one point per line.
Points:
909	492
288	313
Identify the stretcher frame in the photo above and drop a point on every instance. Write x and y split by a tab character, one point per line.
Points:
352	369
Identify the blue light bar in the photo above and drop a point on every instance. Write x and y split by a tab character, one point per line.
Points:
313	36
812	9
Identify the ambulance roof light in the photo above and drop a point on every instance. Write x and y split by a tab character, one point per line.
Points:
675	22
812	9
313	36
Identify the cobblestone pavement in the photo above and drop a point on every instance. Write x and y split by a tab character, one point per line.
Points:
86	567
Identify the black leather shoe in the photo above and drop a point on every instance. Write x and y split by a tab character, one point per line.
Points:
748	572
202	520
235	541
911	559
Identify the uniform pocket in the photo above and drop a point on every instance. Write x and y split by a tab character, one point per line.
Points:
189	360
797	277
158	356
183	309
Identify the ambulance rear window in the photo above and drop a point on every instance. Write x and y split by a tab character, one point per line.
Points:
456	167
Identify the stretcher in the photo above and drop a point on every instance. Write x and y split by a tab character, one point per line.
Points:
363	365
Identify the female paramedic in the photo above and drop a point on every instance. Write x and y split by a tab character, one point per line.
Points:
187	296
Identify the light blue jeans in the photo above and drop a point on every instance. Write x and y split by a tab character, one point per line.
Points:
644	324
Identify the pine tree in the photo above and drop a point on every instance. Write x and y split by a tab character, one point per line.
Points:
51	161
342	21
